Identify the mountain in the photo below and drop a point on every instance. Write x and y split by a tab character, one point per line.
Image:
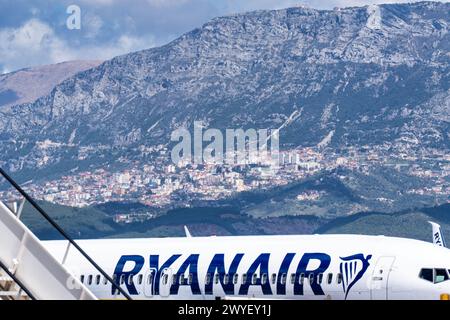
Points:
342	192
361	77
27	85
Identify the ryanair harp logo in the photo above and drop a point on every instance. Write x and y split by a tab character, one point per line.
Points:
352	269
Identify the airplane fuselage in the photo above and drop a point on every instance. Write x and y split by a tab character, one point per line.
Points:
265	267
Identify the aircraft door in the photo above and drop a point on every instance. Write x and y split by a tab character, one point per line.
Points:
165	282
380	278
149	283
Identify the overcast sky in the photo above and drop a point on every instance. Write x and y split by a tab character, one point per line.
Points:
35	32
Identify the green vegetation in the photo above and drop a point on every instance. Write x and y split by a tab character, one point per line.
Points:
408	224
77	222
92	222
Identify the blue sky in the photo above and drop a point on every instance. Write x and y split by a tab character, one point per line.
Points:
35	32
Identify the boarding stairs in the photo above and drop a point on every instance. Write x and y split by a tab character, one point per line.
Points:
9	290
27	269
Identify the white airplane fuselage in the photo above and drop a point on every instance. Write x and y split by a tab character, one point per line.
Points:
332	267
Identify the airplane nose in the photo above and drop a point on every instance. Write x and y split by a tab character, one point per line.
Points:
445	291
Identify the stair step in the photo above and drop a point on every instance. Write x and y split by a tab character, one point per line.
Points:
10	293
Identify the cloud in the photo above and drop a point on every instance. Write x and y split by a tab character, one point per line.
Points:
92	25
99	2
166	3
4	70
31	35
37	43
31	42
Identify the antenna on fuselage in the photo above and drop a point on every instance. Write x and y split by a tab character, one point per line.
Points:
186	231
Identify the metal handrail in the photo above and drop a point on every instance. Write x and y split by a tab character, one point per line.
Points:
63	233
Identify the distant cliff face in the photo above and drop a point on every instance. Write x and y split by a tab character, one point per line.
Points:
27	85
354	76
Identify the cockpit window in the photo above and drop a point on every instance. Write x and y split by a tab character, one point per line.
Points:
426	274
434	275
440	275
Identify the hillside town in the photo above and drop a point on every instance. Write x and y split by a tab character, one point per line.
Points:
164	184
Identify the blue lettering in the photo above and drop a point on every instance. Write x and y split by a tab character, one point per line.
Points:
154	262
218	264
262	262
281	287
191	262
119	273
302	268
